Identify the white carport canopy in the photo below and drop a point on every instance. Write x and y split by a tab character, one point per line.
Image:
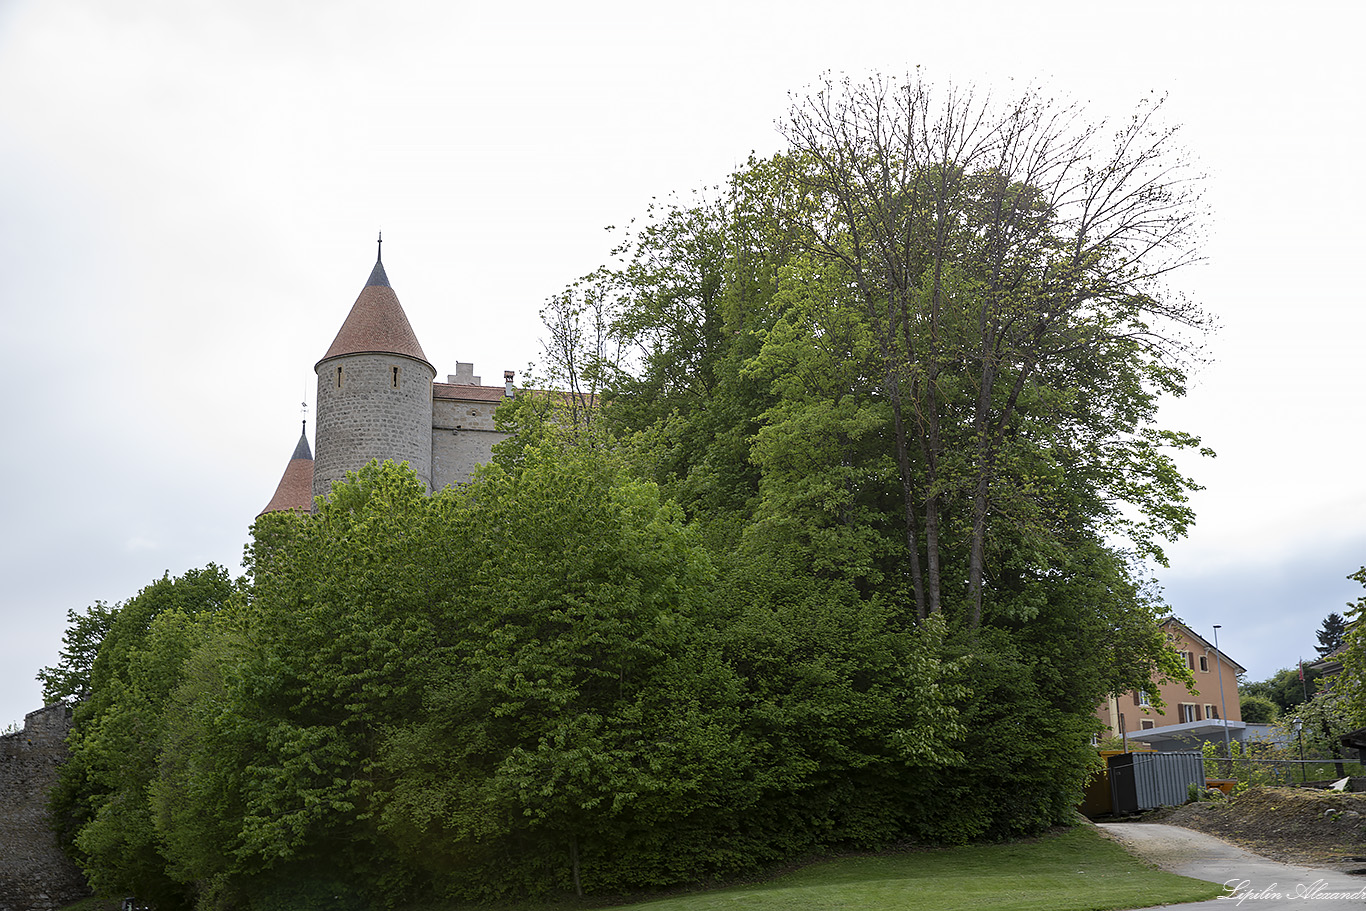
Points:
1191	730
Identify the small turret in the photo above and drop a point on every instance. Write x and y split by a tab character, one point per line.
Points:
295	491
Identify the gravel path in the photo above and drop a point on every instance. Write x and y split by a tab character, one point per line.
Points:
1253	882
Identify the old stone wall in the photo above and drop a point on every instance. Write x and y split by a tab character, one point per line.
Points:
456	453
462	439
34	874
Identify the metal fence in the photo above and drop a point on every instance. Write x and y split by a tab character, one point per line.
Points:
1282	771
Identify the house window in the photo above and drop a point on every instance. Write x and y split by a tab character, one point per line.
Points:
1188	660
1148	724
1204	663
1142	698
1187	712
1212	711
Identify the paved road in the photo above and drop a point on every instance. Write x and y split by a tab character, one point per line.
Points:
1254	882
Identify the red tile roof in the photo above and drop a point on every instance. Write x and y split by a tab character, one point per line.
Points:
295	491
376	324
468	393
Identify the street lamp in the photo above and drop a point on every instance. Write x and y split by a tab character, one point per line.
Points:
1223	706
1299	735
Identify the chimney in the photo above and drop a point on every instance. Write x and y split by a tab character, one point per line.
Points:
507	383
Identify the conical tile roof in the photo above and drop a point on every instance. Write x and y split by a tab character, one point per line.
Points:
376	323
295	491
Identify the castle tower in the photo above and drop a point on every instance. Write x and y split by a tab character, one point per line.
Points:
295	491
374	391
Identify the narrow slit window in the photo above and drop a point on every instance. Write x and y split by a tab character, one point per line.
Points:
393	373
339	376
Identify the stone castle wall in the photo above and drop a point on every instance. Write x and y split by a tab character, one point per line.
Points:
366	417
462	439
34	874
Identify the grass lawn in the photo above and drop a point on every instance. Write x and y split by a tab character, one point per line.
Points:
1078	870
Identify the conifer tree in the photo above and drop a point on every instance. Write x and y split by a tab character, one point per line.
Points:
1332	636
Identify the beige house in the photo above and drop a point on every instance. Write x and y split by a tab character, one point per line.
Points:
1192	715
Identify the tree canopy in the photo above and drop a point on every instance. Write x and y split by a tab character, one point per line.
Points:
1351	683
1286	688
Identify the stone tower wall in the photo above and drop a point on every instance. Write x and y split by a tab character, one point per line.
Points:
34	874
367	418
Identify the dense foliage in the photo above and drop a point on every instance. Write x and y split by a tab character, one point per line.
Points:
101	806
835	542
1352	685
1258	709
1286	689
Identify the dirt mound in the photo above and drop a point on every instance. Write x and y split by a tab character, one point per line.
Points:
1291	825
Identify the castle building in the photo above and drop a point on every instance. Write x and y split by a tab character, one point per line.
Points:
378	398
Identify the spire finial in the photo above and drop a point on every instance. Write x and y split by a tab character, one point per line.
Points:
379	257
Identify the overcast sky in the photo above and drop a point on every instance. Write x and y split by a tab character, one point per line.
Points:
190	192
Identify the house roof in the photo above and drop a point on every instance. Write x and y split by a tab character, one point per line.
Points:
295	490
1196	637
463	393
376	324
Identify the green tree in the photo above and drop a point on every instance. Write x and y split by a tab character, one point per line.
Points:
333	650
195	797
1323	720
534	683
696	286
1350	684
69	680
1332	635
1258	709
267	792
995	253
100	801
785	333
602	725
1285	688
547	723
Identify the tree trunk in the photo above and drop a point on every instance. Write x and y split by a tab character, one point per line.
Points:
903	463
574	861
